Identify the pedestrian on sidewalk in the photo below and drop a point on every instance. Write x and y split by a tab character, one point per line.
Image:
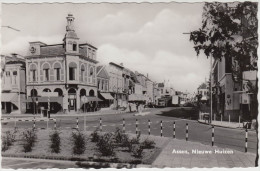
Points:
130	110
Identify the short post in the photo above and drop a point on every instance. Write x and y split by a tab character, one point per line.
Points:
246	140
84	123
228	118
100	124
123	125
212	138
136	126
47	123
14	122
34	123
214	116
77	123
173	129
55	126
161	129
187	128
149	127
239	121
221	118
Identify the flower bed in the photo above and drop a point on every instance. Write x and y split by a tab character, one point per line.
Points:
41	148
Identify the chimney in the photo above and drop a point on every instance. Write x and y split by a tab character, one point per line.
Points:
121	64
147	75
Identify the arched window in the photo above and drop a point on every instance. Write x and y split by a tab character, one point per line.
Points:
91	93
91	74
33	72
57	70
72	91
82	71
46	70
72	71
59	91
46	90
34	93
83	92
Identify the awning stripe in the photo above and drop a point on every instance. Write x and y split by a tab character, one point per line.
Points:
107	96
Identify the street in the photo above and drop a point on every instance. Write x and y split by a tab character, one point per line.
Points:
197	132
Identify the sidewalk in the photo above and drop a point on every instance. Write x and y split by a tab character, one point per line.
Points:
224	124
97	113
171	157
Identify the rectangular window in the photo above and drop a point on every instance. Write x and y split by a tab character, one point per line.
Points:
57	74
8	73
72	73
82	75
74	47
46	74
33	75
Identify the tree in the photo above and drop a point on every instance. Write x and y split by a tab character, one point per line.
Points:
229	30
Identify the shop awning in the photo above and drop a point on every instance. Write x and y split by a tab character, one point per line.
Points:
107	96
8	97
45	99
86	99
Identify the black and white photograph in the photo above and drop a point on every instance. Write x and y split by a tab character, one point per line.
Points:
129	85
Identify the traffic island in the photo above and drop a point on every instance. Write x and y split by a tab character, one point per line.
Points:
91	157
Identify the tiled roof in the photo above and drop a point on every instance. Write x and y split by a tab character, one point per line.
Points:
50	50
99	67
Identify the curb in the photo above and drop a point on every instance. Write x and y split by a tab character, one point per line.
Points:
78	161
252	130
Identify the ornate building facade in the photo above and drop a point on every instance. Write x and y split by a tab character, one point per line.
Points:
67	69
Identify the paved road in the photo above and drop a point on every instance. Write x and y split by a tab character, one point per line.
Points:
224	137
22	163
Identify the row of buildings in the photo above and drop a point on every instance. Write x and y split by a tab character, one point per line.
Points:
66	78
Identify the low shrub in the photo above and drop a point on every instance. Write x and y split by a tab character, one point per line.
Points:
148	144
8	139
105	144
95	136
79	143
137	151
29	138
55	142
137	139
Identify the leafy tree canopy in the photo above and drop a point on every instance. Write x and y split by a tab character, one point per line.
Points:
229	30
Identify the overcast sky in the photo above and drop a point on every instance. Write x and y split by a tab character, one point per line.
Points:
147	38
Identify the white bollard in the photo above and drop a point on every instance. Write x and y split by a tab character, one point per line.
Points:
77	123
123	125
47	123
187	129
221	119
214	117
100	124
212	137
161	129
246	140
173	129
228	118
149	127
34	123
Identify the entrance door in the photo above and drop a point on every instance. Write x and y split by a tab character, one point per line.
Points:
72	104
8	107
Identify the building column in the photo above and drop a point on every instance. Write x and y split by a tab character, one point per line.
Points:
78	100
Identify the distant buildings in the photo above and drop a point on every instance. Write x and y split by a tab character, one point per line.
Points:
13	84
